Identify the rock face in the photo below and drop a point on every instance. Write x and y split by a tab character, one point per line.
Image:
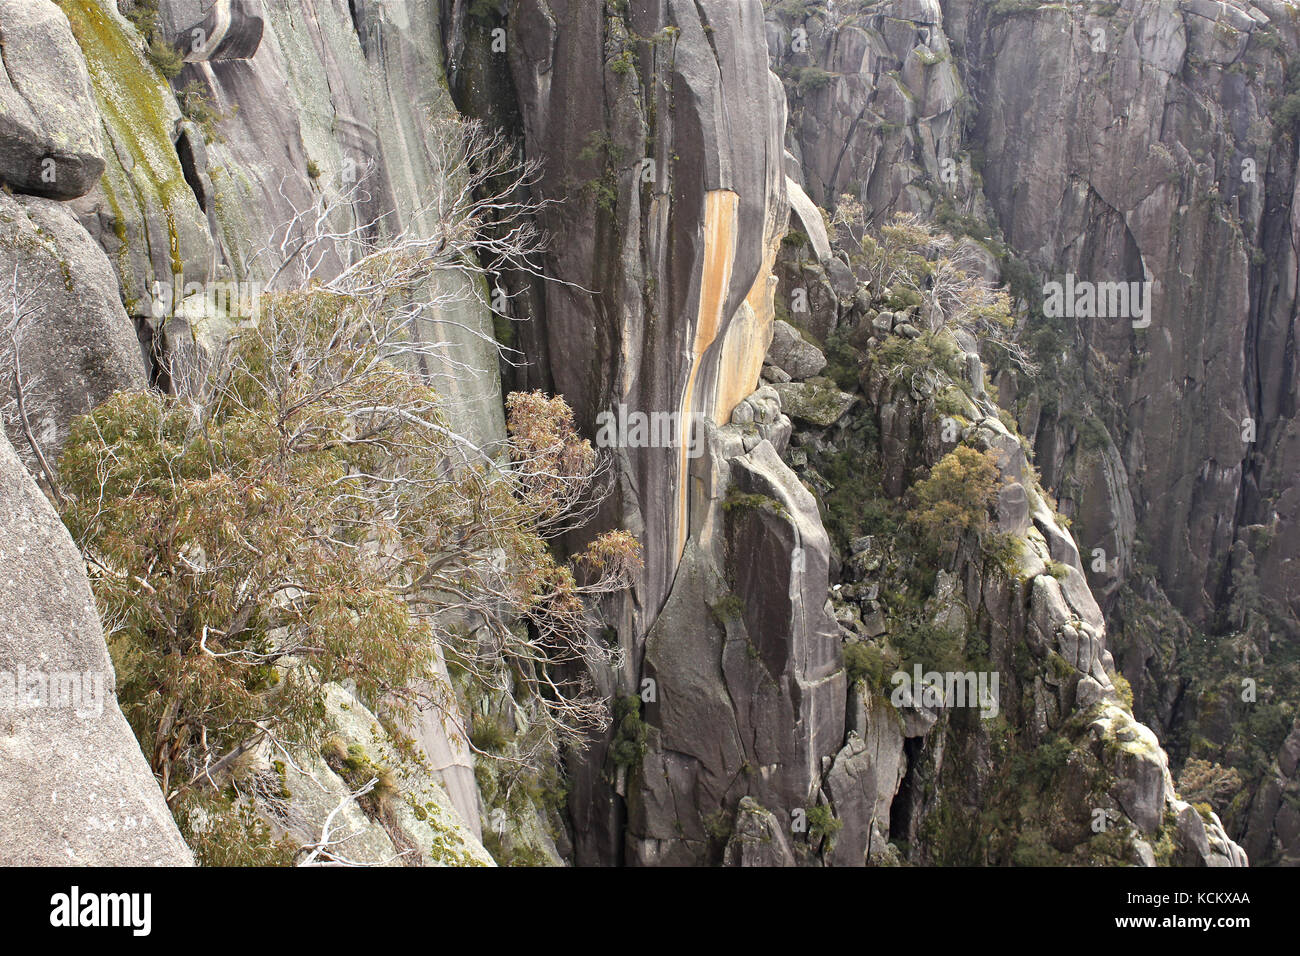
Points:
1167	437
410	821
685	211
1193	370
750	682
661	127
758	839
675	201
204	31
1198	449
1273	827
75	788
657	128
1069	96
49	133
75	345
875	102
283	106
66	334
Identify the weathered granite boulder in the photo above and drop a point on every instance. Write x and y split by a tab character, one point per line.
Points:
49	129
816	403
758	838
794	354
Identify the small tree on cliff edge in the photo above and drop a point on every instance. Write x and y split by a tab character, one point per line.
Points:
909	260
956	500
302	512
310	517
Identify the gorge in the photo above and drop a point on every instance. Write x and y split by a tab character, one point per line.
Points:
786	224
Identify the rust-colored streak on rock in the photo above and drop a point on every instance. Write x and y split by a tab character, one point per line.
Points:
720	212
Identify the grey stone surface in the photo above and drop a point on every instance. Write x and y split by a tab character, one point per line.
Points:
751	685
415	824
757	838
806	216
49	129
212	29
887	114
76	345
794	354
683	310
74	787
814	403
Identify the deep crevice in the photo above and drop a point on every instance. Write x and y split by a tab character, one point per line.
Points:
903	805
190	169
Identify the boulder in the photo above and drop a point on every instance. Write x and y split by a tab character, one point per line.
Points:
815	404
49	127
793	353
757	838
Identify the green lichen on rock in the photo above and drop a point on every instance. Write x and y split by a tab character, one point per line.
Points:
138	112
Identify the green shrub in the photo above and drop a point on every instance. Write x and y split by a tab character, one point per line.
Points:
197	107
929	353
727	609
738	500
1209	784
143	14
225	831
1003	552
823	825
630	732
810	79
1011	8
922	642
1057	570
865	662
955	500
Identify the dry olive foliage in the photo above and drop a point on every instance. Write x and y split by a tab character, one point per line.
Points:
308	515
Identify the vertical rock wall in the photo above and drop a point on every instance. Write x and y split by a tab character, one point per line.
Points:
662	129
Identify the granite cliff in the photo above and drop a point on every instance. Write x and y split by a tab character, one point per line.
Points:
699	162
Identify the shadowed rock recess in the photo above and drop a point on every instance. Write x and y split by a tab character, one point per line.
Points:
1116	568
